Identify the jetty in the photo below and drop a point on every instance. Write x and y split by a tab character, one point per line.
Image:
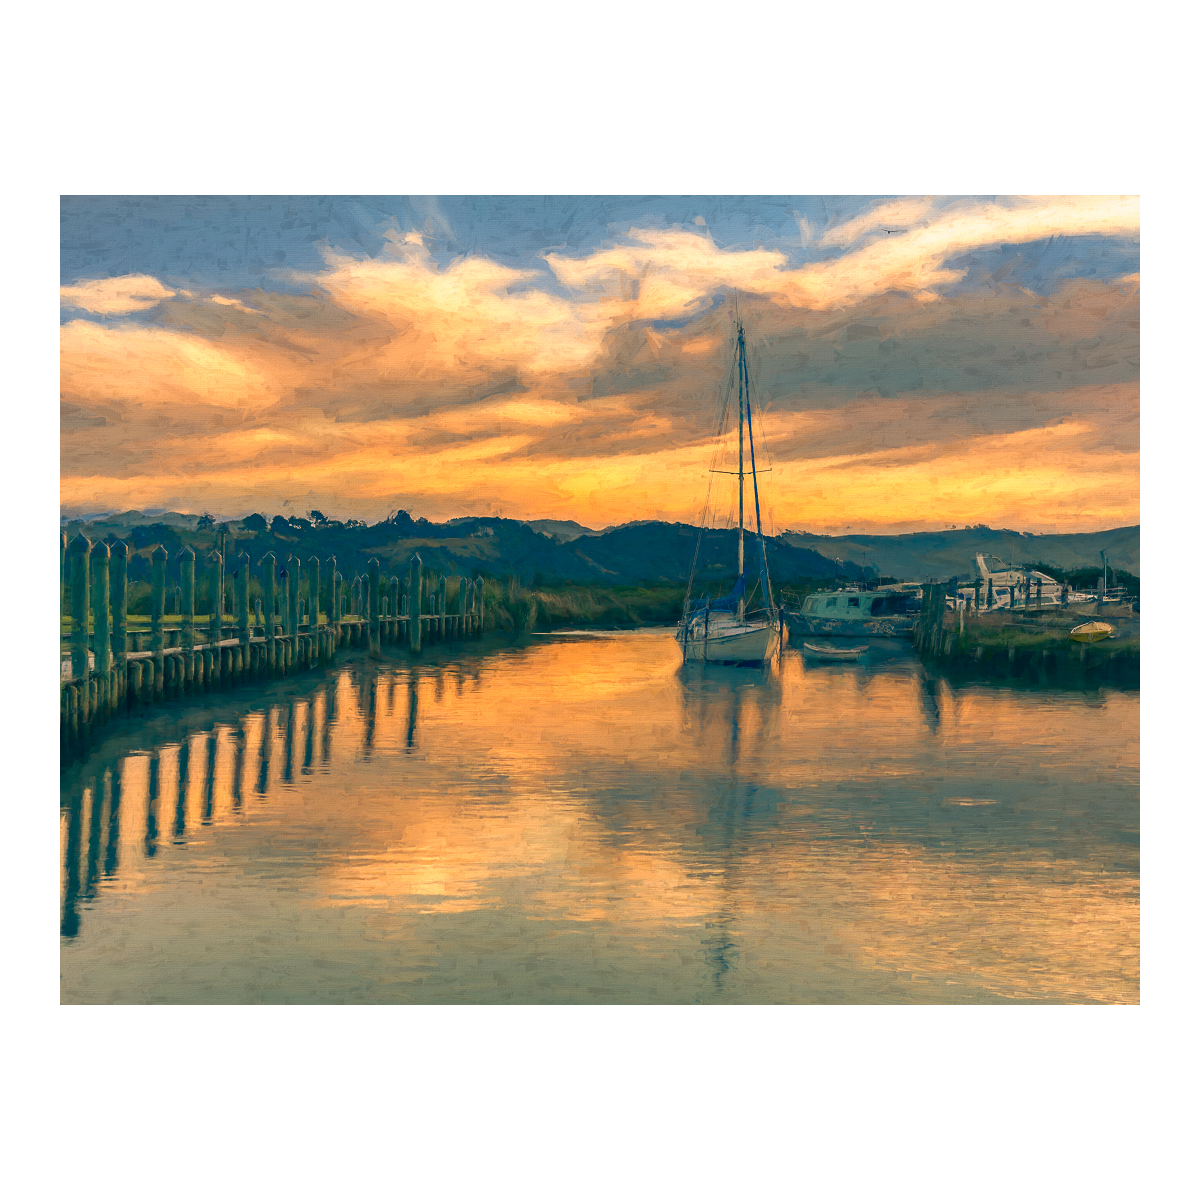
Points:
1032	642
305	615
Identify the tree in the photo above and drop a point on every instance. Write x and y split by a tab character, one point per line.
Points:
205	522
255	522
280	525
318	518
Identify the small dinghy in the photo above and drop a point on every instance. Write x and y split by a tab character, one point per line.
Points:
835	653
1092	631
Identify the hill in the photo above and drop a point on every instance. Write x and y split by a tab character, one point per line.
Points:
562	551
938	555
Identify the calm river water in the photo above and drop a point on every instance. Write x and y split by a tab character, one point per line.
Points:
581	820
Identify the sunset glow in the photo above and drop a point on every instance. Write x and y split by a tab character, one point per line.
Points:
979	365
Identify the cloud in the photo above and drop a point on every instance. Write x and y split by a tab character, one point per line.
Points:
112	297
666	274
137	364
591	391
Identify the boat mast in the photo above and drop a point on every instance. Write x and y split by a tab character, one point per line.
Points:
764	573
741	469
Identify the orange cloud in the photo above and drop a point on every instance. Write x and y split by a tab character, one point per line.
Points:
129	293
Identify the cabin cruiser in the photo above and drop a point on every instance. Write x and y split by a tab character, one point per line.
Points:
1010	587
889	611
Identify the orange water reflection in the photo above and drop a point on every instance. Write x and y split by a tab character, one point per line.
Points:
583	820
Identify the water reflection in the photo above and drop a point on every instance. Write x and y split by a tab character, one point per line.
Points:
624	828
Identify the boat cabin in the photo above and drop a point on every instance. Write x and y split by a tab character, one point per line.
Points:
863	606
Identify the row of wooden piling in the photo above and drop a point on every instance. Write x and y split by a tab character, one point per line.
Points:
108	677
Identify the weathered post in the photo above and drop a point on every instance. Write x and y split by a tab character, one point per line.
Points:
293	564
81	551
158	595
101	622
373	607
215	585
314	592
268	585
119	584
242	591
187	620
327	589
414	604
337	607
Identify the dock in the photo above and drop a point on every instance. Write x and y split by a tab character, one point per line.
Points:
306	614
1031	643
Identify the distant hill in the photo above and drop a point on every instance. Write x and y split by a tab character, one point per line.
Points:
952	551
495	546
562	531
560	551
122	524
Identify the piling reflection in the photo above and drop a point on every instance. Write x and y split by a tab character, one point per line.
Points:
841	824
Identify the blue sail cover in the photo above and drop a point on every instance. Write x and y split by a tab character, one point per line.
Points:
724	603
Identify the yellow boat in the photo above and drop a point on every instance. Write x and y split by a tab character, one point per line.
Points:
1092	631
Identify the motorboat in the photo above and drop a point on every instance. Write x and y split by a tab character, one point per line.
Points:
1092	631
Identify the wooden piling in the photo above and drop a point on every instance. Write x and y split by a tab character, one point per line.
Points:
80	572
373	608
119	604
293	589
314	592
158	595
242	592
216	578
101	619
268	583
414	604
328	590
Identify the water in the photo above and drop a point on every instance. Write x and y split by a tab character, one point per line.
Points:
581	820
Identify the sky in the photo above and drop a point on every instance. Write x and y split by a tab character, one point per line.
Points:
568	357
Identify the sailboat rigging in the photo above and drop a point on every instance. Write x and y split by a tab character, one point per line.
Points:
720	630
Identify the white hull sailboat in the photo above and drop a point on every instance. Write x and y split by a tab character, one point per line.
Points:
721	630
726	639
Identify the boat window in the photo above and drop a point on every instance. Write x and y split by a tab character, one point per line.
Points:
853	601
831	602
810	605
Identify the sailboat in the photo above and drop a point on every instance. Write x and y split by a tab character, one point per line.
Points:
721	630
